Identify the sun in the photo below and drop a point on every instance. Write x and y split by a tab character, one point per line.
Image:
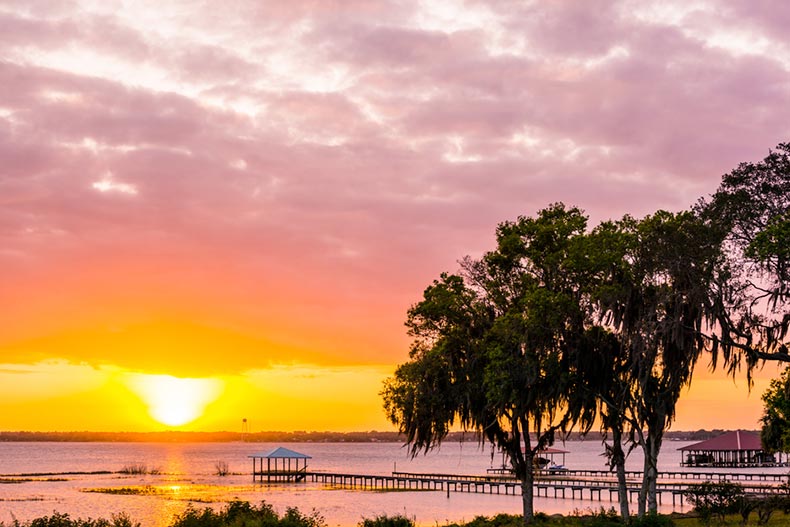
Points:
174	401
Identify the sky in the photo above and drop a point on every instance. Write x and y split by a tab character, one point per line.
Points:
210	214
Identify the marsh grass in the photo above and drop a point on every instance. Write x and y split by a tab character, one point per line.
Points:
221	468
11	481
146	490
139	469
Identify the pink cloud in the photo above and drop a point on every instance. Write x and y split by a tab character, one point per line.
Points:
319	163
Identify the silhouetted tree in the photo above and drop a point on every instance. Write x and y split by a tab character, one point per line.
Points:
654	301
491	348
752	207
775	432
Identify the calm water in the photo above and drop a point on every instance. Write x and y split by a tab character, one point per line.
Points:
187	476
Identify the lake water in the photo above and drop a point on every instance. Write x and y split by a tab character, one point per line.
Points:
187	475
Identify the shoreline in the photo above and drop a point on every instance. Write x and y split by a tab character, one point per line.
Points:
178	436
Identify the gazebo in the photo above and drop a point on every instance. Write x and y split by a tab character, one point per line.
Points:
733	449
544	460
282	464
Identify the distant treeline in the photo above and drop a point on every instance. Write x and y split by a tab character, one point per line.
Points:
282	437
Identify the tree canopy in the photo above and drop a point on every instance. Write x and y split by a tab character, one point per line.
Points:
491	346
560	326
775	432
752	209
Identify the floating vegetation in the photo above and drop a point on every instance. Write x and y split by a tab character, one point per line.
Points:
194	493
44	474
139	469
221	468
142	490
12	481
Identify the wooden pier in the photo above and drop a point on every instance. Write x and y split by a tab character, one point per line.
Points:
575	485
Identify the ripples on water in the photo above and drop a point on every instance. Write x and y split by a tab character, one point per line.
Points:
186	474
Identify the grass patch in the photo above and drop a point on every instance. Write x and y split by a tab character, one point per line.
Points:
173	492
139	469
143	490
12	481
44	474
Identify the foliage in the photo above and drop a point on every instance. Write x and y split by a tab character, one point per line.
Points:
775	432
765	506
500	520
714	498
558	327
651	520
492	347
662	319
600	518
752	205
243	514
383	520
64	520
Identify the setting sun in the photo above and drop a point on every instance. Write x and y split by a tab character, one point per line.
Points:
173	401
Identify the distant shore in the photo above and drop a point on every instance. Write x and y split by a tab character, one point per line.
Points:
174	436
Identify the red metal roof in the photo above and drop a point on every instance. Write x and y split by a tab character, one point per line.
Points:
738	440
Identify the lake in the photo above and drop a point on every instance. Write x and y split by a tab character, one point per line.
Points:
187	474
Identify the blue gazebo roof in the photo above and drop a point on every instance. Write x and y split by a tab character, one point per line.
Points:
281	453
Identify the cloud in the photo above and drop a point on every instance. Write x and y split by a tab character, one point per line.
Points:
288	176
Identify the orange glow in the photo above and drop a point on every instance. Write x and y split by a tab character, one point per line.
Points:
173	401
64	396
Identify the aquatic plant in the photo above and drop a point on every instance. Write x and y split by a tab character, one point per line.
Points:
137	469
134	469
144	490
221	468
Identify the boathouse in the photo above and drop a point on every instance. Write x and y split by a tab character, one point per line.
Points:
280	465
733	449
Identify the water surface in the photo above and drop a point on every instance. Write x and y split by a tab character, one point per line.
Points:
187	474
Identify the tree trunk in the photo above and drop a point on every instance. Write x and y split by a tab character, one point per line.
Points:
618	460
527	484
645	480
654	438
648	502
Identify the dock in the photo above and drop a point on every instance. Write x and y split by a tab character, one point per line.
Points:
572	484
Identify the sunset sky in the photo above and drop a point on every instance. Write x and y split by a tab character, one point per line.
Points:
222	210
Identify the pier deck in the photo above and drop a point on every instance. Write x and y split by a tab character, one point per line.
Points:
581	485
